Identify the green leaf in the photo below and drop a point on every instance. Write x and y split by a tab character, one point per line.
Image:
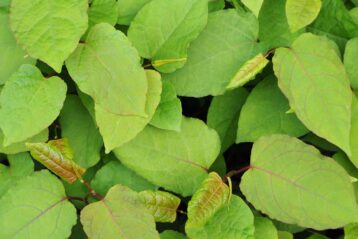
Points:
12	56
343	160
219	166
119	215
354	131
233	221
254	6
102	11
224	113
274	28
213	62
351	231
264	228
114	173
301	13
166	42
350	61
298	185
79	128
170	234
119	129
212	195
107	68
216	5
168	114
128	9
264	113
310	74
49	30
20	146
162	205
317	236
26	95
57	156
319	142
21	165
36	207
284	235
248	71
177	161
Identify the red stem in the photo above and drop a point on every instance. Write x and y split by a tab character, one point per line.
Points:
236	172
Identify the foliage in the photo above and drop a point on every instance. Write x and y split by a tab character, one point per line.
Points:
174	119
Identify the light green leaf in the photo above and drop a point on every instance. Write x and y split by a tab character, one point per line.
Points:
310	74
12	56
166	42
127	9
216	5
351	231
119	129
219	166
350	61
168	114
107	67
354	132
264	228
274	28
177	161
317	236
120	215
102	11
21	165
37	207
26	95
233	221
162	205
248	71
170	234
301	13
298	185
79	128
57	156
284	235
49	30
212	195
116	173
224	113
253	5
264	113
20	146
214	61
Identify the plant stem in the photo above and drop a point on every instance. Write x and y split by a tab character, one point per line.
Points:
235	172
92	191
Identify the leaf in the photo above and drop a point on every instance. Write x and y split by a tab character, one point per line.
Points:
210	197
216	5
224	113
219	166
119	129
114	173
264	113
119	215
274	29
21	165
38	207
128	9
264	228
310	74
25	96
319	142
233	221
284	235
177	161
106	67
213	62
82	133
298	185
11	54
351	231
162	205
168	114
57	156
20	146
166	42
350	57
342	160
102	11
248	71
170	234
317	236
301	13
49	30
254	6
354	131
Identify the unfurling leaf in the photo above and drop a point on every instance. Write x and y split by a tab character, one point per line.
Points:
162	205
248	71
57	156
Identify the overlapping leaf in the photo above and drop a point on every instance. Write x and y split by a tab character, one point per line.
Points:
350	61
300	13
